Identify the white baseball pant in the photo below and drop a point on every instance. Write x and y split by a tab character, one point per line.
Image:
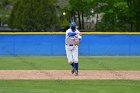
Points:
72	53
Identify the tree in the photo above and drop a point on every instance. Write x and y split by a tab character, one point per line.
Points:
120	15
116	16
136	9
5	11
83	8
34	15
80	8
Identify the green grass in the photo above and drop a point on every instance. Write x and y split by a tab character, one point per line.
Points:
60	62
69	86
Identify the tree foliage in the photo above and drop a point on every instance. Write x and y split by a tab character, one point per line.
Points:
34	15
39	15
119	15
115	16
5	11
80	8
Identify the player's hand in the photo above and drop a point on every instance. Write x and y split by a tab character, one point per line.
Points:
79	33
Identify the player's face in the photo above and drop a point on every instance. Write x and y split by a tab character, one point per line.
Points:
73	28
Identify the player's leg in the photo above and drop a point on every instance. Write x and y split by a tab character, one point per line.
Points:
71	61
73	68
70	57
75	58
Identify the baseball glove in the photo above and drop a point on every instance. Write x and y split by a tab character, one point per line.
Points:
76	41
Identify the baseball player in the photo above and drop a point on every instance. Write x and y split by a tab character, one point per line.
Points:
73	38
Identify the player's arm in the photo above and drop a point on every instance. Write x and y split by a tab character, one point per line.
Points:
80	38
79	35
72	33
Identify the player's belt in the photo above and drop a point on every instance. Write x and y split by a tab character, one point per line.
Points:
70	44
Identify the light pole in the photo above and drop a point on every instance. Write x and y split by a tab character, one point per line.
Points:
92	19
92	11
97	11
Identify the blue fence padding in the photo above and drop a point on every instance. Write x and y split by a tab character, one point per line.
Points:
54	44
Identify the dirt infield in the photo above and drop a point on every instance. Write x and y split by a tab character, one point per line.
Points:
66	75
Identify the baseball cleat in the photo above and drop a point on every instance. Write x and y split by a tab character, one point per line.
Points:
76	73
72	71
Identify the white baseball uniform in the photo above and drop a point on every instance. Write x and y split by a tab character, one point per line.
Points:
71	49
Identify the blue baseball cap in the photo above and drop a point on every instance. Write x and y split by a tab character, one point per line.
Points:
72	24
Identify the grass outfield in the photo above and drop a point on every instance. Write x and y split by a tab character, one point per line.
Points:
60	62
69	86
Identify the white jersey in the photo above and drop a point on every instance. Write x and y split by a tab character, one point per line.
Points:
70	39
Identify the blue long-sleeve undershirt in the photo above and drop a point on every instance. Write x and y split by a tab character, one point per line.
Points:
71	33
